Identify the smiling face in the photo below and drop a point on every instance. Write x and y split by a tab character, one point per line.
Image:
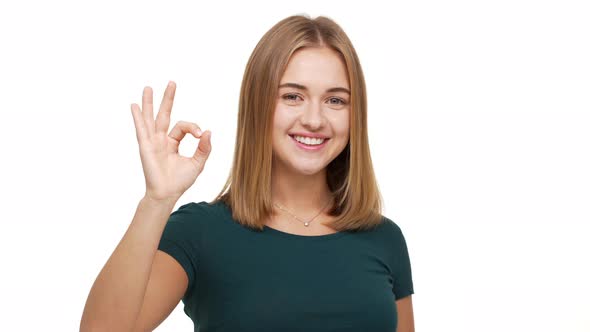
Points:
313	101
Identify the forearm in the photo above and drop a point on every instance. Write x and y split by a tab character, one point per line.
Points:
117	294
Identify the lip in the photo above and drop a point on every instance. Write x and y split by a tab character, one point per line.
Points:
308	147
310	135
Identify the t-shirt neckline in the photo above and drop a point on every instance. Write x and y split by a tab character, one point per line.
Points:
276	232
298	236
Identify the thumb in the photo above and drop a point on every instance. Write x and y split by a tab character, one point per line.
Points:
203	149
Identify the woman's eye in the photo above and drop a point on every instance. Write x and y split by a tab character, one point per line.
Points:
333	100
338	100
290	97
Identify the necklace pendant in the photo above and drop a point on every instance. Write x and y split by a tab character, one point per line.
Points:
306	223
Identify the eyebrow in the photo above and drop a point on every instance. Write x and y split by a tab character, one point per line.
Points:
304	88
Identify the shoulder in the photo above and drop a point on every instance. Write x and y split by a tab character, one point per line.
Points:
198	207
193	213
388	229
391	236
386	237
189	221
390	225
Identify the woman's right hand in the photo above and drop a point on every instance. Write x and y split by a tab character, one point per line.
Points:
167	174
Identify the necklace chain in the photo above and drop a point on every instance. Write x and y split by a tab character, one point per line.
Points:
305	223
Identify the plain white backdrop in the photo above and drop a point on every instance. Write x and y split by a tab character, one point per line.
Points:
479	125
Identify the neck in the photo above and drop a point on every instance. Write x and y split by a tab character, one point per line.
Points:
300	193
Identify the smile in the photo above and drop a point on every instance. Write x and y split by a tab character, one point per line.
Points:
309	144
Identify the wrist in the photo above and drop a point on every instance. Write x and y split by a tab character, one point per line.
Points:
161	202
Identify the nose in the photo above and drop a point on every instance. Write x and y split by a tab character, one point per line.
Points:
312	117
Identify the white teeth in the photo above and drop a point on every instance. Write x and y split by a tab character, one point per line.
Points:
308	140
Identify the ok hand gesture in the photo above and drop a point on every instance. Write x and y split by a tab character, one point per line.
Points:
167	174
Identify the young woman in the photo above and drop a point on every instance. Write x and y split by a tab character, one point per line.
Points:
295	241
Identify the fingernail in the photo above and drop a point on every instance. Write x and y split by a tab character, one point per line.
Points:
199	132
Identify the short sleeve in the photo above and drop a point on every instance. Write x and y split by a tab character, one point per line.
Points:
179	240
402	273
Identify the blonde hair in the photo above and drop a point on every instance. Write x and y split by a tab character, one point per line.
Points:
350	176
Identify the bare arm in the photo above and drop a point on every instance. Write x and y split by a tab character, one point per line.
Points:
139	286
117	294
405	314
168	283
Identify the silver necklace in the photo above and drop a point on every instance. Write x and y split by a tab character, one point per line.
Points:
305	223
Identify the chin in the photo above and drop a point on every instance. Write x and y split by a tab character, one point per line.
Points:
307	170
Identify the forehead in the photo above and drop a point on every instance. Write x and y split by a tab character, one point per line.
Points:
316	68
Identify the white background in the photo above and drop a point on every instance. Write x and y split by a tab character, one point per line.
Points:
479	124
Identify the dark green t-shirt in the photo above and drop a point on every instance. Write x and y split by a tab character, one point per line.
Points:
246	280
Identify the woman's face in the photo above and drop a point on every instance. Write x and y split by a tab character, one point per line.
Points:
313	101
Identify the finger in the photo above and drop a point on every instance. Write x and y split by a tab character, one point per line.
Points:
147	107
140	130
181	129
163	117
203	150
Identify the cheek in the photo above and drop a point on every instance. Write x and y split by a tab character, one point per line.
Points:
276	120
281	119
341	125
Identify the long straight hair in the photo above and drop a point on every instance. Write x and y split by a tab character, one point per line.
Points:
350	176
